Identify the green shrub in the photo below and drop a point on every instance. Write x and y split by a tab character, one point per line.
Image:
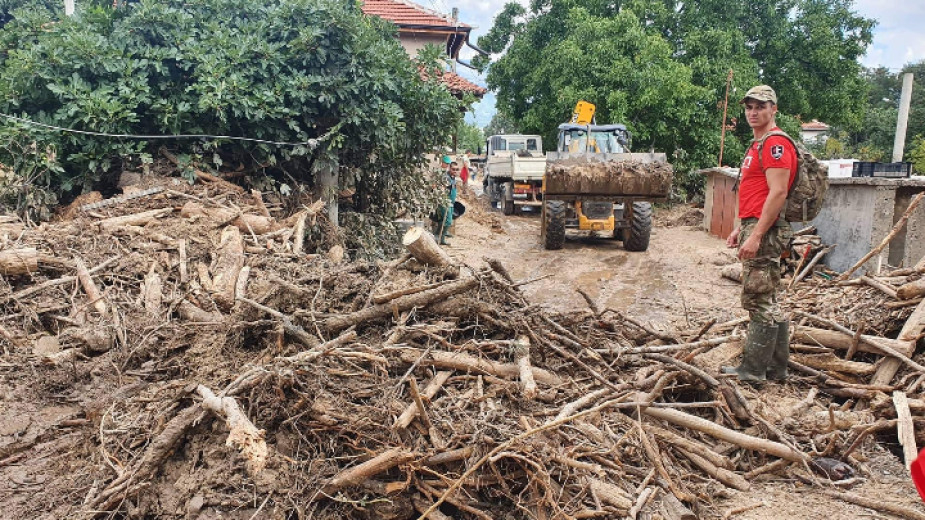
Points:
276	70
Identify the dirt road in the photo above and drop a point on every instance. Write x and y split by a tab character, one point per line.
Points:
676	280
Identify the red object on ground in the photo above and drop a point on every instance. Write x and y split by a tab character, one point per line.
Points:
918	473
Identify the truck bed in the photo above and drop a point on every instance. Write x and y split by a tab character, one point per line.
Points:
516	167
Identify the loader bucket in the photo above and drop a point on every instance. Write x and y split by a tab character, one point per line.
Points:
644	175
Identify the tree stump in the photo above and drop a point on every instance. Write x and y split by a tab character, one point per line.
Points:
423	247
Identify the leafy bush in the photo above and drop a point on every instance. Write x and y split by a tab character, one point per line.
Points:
298	71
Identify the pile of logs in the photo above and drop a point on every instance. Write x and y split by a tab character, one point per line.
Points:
238	372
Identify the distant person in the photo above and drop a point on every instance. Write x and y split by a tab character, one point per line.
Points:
445	212
464	169
767	172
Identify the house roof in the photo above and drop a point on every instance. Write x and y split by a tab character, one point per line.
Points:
814	125
405	14
458	84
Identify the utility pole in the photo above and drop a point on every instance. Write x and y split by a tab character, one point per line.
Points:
69	7
899	143
722	135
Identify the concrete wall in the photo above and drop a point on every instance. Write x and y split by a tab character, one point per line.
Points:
858	214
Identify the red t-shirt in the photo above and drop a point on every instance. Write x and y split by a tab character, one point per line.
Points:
778	152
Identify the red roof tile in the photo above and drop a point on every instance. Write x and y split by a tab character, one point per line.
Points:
408	13
814	125
457	84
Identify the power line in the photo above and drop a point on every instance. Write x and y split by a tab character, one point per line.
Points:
311	143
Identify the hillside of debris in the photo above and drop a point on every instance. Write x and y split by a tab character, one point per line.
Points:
193	351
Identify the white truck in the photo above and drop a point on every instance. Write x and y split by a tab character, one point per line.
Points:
514	167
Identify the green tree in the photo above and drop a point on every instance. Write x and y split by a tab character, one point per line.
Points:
469	137
916	155
660	67
501	123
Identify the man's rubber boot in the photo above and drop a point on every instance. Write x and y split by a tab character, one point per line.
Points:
777	368
756	354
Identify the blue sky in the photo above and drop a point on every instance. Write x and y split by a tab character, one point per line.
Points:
899	37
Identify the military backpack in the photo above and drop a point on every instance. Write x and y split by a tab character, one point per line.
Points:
804	199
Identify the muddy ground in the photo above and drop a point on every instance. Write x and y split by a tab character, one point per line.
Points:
674	282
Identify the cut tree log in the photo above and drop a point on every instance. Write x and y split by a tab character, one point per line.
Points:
93	292
190	312
228	265
298	233
402	304
691	446
880	286
911	290
374	466
904	428
674	509
243	434
15	262
467	363
732	272
884	506
835	364
693	422
110	225
842	341
422	245
886	240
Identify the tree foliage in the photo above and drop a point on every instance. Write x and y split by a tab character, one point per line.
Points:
660	67
316	72
500	123
469	137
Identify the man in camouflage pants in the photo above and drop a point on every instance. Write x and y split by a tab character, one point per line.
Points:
767	173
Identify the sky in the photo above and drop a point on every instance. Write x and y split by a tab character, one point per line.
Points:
899	37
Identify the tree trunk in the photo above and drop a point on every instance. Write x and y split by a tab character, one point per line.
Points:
911	290
422	245
227	267
15	262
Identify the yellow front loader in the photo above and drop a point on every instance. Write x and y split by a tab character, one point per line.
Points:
594	183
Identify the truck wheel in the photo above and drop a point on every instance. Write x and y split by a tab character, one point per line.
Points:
553	224
636	236
507	198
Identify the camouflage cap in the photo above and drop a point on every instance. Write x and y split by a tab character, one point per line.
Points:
760	93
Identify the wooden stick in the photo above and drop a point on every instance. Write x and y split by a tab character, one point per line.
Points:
671	348
720	432
374	466
25	293
404	420
243	434
641	502
93	292
812	263
882	287
729	478
691	446
184	268
298	234
419	403
384	298
465	362
911	290
294	330
883	506
135	219
904	427
240	288
903	303
656	459
806	251
522	357
892	234
228	265
881	345
402	304
610	494
909	333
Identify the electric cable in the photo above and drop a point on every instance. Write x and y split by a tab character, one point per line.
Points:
311	143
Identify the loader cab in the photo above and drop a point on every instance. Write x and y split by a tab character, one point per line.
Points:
593	138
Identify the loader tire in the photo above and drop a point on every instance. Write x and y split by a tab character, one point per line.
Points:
507	198
636	236
553	224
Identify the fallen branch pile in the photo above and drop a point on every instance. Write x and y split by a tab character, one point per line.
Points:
217	364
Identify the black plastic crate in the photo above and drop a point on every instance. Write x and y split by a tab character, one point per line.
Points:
863	169
897	170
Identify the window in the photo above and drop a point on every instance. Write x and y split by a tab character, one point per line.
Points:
531	145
